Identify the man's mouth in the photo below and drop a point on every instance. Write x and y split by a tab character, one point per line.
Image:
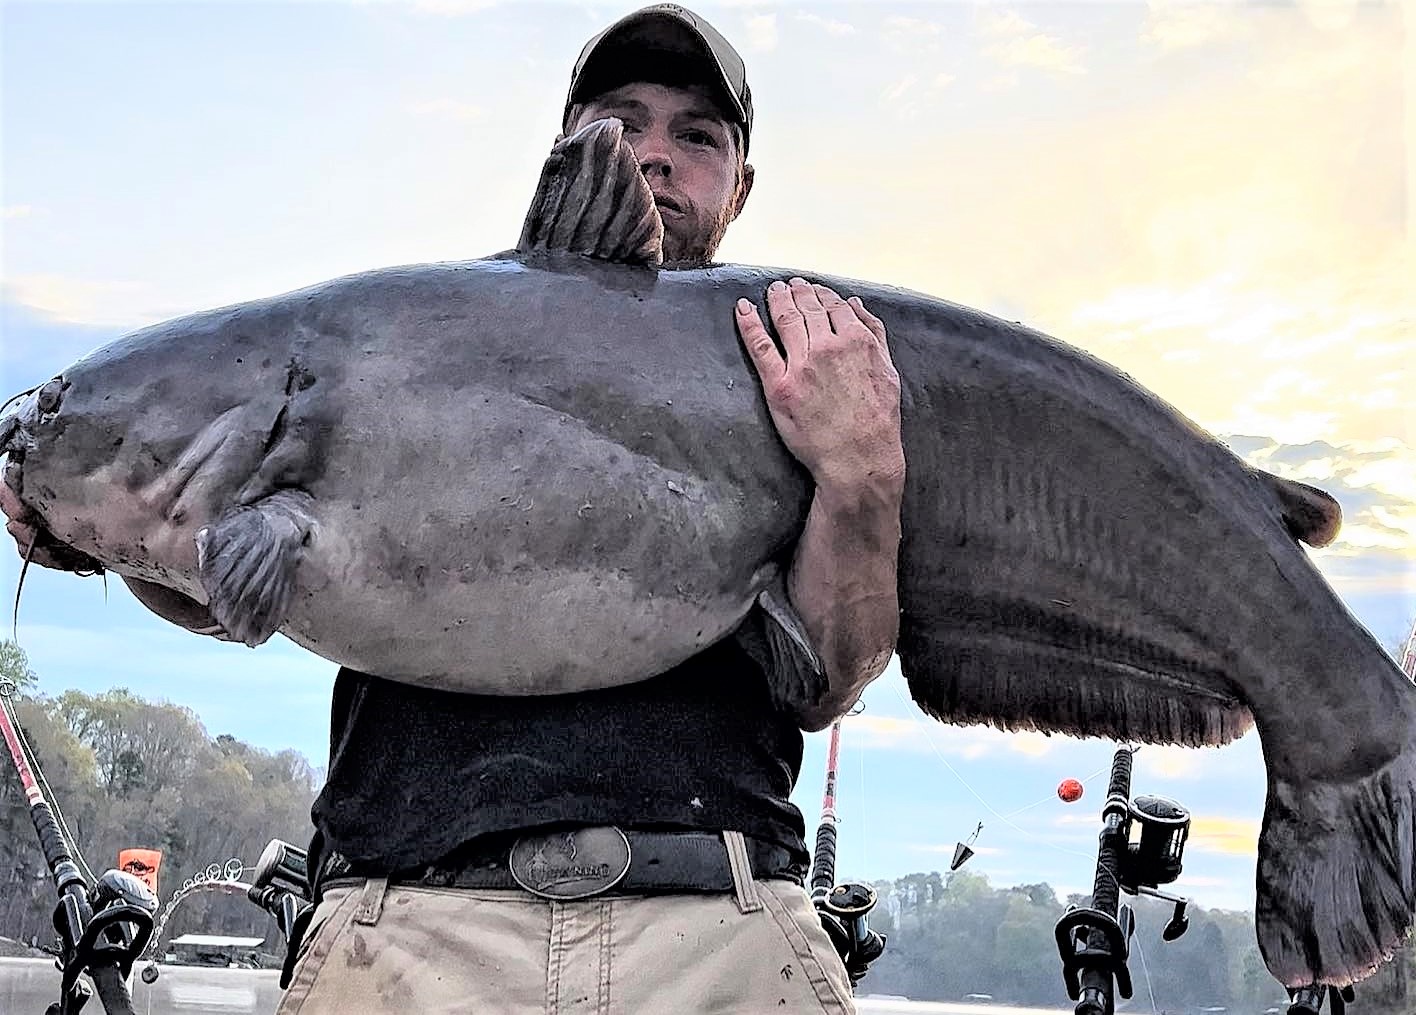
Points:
663	202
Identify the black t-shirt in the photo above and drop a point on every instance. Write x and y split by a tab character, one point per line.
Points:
416	773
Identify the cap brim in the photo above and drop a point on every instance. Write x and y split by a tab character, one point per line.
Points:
653	46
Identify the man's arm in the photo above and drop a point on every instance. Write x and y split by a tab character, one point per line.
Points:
835	400
843	584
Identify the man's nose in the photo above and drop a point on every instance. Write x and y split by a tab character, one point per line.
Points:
654	153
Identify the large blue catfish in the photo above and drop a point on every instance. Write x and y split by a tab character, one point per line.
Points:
545	471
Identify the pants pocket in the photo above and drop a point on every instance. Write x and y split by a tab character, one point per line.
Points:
798	923
331	917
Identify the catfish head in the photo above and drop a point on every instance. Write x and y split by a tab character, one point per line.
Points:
128	453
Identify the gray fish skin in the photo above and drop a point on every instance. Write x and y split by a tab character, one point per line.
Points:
545	473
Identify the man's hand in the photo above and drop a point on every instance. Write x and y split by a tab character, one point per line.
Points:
835	400
835	397
29	532
20	521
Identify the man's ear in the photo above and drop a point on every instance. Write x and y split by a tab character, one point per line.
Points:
748	173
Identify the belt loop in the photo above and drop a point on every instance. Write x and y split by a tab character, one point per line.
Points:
371	901
743	883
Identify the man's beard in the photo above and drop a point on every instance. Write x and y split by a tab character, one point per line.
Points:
697	239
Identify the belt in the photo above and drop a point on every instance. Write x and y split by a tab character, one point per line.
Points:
577	863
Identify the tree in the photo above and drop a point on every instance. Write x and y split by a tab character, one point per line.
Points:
14	666
131	772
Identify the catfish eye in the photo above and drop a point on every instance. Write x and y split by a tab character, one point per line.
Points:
51	395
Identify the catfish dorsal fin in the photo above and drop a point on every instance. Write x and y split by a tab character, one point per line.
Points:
593	200
1312	515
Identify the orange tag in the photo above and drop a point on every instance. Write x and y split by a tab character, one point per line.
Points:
141	863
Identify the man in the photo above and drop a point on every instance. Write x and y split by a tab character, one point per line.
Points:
633	849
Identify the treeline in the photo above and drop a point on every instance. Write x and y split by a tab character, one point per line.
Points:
954	935
128	772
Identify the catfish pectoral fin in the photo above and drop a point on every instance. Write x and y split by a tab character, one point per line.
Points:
1337	874
247	562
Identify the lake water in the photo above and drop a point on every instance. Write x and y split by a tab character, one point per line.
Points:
28	986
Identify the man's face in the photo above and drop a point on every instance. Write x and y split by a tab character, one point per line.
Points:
690	156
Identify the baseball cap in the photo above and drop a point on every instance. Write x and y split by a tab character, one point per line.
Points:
666	44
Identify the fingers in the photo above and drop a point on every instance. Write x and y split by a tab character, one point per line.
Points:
20	521
799	311
760	347
876	326
15	510
842	315
791	323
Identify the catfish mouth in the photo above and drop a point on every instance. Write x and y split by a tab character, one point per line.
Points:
16	442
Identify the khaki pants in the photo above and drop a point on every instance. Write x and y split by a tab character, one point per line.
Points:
376	949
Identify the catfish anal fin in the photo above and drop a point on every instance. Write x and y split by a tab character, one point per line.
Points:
247	561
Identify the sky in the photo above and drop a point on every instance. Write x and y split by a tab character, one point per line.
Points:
1215	198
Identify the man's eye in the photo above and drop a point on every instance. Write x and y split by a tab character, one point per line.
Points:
700	137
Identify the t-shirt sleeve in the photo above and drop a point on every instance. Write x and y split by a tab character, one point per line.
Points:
774	635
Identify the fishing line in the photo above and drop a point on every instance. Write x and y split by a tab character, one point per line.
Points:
7	688
1145	970
15	398
929	739
860	758
54	803
1052	796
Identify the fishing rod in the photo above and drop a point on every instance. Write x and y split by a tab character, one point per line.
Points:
844	909
104	926
1141	847
1094	941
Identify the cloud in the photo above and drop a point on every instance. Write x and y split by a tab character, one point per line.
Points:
37	345
91	301
879	732
1017	42
898	89
16	211
447	109
1374	481
452	8
1180	763
915	27
762	32
1183	24
1224	835
829	25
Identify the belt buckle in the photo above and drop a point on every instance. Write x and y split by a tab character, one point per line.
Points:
572	863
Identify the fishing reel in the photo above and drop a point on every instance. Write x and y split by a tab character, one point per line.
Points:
1309	1000
281	886
1157	855
1141	847
107	925
844	912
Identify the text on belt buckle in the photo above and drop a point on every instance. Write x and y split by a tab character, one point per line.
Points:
571	864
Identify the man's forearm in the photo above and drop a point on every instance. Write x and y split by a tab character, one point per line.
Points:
844	585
